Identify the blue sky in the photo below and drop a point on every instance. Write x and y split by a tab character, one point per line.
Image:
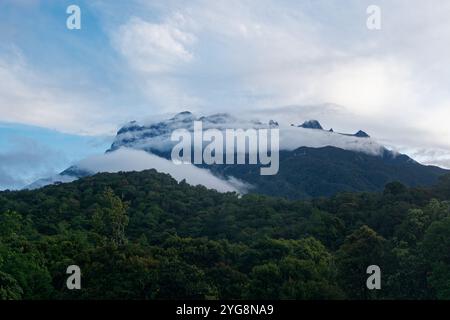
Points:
64	93
29	152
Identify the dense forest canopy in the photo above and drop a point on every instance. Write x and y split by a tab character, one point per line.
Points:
142	235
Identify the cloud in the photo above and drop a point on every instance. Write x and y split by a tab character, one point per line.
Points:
31	97
154	48
293	138
26	161
254	55
430	156
136	160
157	135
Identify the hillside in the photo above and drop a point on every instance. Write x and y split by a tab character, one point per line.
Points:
314	172
142	235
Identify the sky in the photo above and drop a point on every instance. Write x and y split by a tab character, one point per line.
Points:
64	93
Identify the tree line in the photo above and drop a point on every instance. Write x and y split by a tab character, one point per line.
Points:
142	235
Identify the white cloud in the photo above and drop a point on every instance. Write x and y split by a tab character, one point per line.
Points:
154	48
136	160
263	54
31	97
435	156
291	137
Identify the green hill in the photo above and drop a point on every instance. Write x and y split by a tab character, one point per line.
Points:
145	236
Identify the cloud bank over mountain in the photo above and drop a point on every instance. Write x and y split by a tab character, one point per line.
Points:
156	135
136	160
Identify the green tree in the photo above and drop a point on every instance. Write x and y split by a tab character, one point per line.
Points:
413	227
117	272
436	250
265	282
364	247
9	288
110	217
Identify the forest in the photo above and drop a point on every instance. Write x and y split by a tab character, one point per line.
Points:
143	235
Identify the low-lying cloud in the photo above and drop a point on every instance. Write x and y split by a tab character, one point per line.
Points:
136	160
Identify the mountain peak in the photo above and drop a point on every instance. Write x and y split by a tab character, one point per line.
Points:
185	115
361	134
311	124
218	118
273	123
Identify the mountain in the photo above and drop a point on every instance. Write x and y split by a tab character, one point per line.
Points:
315	172
155	136
55	179
313	161
361	134
311	124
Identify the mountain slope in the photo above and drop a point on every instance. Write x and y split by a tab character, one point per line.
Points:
314	172
314	162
